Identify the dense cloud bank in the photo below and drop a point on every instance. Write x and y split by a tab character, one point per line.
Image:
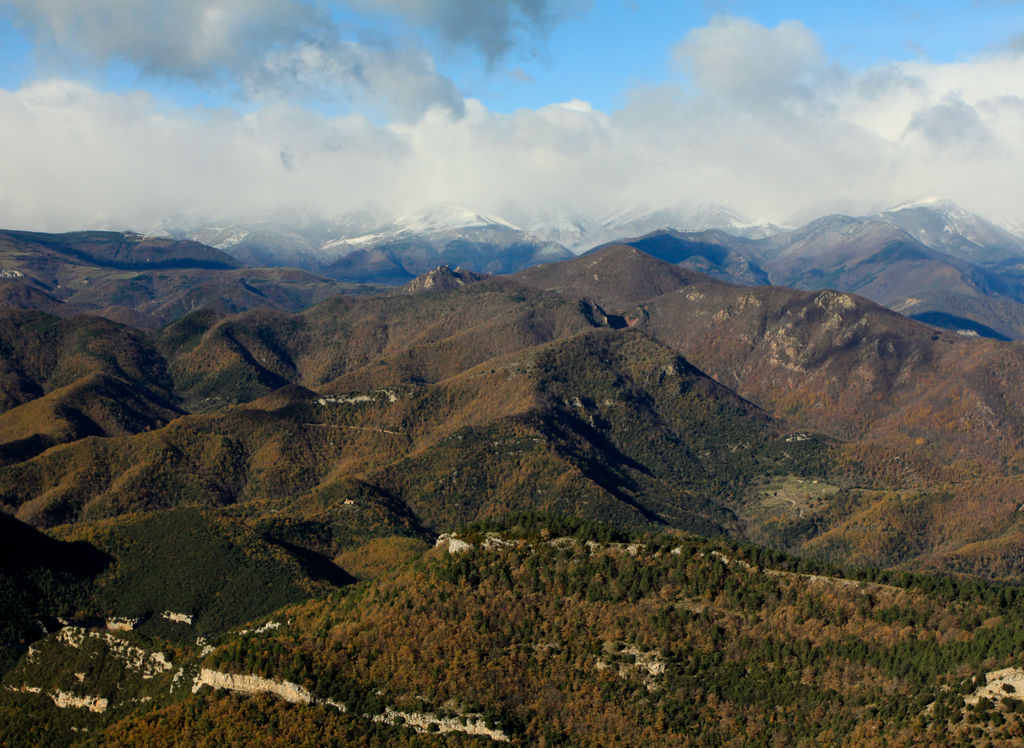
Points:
759	119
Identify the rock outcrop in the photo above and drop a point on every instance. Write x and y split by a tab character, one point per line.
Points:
290	692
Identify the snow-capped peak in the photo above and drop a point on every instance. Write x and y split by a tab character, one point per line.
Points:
942	224
682	216
446	217
934	202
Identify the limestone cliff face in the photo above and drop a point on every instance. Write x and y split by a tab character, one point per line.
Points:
149	664
296	694
65	700
422	722
290	692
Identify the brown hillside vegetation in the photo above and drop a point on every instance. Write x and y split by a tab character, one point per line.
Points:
42	353
618	277
828	361
914	406
582	427
605	424
463	403
93	405
347	343
572	634
113	249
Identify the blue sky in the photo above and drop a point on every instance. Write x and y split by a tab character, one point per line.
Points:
250	105
602	54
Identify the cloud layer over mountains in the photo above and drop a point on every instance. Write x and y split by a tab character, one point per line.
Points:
755	117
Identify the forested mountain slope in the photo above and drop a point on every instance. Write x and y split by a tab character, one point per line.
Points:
225	466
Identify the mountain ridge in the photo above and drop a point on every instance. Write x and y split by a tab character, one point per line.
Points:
143	281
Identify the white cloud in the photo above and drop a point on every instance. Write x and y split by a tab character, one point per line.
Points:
744	62
85	158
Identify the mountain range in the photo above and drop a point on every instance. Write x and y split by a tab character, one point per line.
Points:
929	258
931	261
472	507
143	280
368	247
570	357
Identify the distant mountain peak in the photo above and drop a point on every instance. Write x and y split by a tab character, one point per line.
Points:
685	216
943	225
555	222
447	216
935	202
681	216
